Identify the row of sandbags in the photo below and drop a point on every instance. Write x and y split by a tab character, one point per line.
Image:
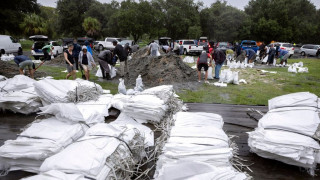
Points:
297	68
197	148
289	131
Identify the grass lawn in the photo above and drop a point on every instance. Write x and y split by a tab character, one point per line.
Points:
261	87
26	45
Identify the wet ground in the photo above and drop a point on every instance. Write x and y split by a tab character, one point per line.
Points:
237	122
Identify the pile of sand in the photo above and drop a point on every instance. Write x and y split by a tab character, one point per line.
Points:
164	69
10	69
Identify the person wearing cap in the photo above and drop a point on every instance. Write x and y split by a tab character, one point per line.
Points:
23	61
47	49
120	52
86	61
203	63
71	65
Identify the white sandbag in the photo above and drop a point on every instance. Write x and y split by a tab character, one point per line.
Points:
55	175
265	59
188	59
119	100
122	87
2	78
18	82
292	69
131	92
139	84
99	73
210	73
238	65
25	101
302	120
246	60
274	62
223	76
219	84
243	65
158	53
113	72
300	99
303	70
229	77
236	78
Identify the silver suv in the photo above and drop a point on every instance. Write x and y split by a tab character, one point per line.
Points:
309	49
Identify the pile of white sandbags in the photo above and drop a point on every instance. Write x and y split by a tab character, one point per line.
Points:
237	65
2	78
64	91
42	139
288	132
229	77
6	57
188	59
105	152
197	148
18	95
297	68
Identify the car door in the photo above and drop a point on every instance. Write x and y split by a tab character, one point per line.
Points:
11	46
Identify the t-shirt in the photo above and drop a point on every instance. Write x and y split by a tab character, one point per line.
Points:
203	58
283	52
118	50
20	59
154	46
69	56
219	56
250	53
105	55
85	59
47	47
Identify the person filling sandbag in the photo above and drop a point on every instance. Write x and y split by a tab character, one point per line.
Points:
23	61
203	63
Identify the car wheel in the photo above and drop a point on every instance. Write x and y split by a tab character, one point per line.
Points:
2	52
185	52
20	52
303	53
100	47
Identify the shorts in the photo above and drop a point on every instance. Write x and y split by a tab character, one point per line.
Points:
205	66
24	64
70	69
86	67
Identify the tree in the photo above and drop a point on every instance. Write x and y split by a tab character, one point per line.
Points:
34	24
92	26
51	17
71	16
194	32
12	13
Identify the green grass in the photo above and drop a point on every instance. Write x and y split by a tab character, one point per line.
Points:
26	45
56	73
261	88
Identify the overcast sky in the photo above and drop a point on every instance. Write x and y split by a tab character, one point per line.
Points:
236	3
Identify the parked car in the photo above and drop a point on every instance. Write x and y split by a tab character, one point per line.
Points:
203	41
164	41
66	42
133	46
9	45
82	40
39	42
224	46
189	47
107	43
309	49
285	46
249	44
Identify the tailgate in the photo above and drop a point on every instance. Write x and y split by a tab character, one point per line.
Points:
196	48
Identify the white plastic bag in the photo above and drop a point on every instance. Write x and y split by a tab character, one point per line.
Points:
246	60
139	84
265	59
210	73
122	87
158	53
113	71
229	76
223	75
236	78
274	62
99	73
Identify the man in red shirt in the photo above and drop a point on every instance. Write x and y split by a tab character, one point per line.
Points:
203	63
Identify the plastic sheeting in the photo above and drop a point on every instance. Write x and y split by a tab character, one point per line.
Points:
197	146
24	101
64	91
39	141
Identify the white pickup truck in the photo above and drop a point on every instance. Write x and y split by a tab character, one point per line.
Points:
189	47
107	43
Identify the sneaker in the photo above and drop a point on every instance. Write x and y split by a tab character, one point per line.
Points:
199	81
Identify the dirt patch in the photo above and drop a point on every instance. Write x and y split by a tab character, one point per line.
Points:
9	69
164	69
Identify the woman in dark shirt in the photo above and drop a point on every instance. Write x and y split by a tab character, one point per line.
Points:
71	65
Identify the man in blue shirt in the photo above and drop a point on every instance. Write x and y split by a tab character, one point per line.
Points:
284	55
75	52
23	61
251	55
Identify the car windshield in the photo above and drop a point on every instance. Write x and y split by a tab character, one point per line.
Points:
125	42
188	42
249	43
287	45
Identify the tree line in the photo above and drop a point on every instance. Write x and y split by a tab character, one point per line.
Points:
262	20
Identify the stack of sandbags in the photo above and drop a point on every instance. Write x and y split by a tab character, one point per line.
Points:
18	95
90	112
197	139
42	139
298	68
56	175
64	91
228	76
2	78
288	132
105	152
